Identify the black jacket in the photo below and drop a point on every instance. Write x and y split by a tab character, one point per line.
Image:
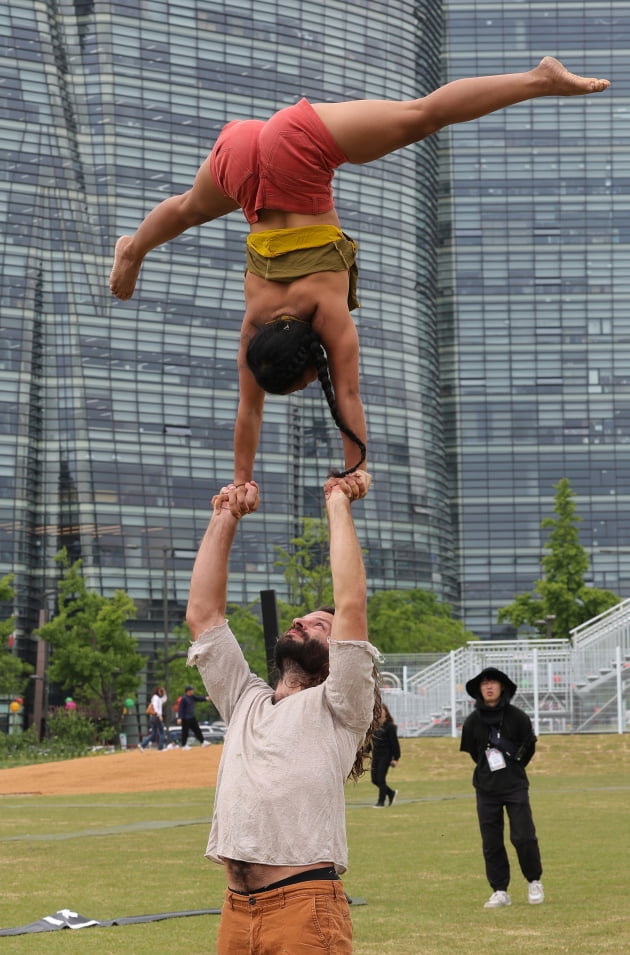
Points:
385	742
186	708
512	733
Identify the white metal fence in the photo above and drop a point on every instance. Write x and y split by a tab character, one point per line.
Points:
578	685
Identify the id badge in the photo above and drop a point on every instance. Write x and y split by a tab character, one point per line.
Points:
496	759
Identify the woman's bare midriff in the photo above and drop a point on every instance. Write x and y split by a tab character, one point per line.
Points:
249	876
276	219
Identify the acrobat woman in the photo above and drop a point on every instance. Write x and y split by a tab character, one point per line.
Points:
300	284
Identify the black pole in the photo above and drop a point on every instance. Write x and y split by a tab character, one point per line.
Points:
271	627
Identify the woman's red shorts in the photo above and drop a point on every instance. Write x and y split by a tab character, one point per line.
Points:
285	163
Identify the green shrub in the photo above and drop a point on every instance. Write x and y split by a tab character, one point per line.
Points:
19	747
69	734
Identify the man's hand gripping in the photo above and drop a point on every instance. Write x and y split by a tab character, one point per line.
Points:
354	485
240	499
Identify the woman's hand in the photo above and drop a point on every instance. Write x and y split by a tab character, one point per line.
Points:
240	499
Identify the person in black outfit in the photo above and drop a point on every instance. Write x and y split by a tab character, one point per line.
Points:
186	716
385	753
501	742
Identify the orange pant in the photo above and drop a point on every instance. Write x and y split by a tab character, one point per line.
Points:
298	919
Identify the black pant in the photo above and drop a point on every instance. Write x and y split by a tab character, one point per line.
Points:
380	766
522	836
187	727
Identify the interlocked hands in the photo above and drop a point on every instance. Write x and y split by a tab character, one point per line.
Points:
238	498
354	485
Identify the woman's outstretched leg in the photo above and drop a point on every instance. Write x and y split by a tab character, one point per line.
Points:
368	129
166	221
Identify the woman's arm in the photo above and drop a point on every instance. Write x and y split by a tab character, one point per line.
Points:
248	421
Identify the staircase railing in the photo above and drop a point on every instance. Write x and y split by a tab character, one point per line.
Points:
571	685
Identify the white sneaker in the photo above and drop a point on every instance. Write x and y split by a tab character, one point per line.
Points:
186	746
206	743
535	892
497	899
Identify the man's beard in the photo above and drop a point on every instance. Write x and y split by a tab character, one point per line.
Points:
308	654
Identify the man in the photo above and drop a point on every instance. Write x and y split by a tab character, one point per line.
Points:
186	716
279	816
501	742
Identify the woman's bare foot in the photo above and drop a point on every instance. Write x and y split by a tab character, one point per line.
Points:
125	269
560	82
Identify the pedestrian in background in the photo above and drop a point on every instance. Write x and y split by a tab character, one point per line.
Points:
385	754
155	711
500	739
186	716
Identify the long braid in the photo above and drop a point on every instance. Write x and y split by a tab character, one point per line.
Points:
320	361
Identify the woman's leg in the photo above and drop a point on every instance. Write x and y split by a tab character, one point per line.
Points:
166	221
368	129
161	734
151	735
379	772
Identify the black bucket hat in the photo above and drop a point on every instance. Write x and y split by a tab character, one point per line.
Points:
473	687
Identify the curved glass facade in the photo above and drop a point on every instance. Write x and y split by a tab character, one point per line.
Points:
534	286
492	280
117	417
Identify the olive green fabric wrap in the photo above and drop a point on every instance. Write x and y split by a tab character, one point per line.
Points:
336	256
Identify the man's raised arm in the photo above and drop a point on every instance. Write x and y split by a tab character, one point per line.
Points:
346	560
208	585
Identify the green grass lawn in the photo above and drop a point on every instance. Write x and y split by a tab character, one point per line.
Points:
418	865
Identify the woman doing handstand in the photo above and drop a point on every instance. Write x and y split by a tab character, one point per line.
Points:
300	282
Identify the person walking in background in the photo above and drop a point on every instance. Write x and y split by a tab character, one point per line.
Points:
500	739
186	716
385	754
156	719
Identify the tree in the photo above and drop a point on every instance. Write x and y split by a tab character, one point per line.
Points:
561	596
93	656
413	621
306	569
247	629
399	621
13	671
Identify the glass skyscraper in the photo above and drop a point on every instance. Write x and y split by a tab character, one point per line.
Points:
493	354
534	301
117	417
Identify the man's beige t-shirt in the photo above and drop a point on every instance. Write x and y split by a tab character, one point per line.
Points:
279	797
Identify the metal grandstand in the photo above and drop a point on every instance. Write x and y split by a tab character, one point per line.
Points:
577	685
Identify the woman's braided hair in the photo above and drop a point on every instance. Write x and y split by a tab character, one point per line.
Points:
281	353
